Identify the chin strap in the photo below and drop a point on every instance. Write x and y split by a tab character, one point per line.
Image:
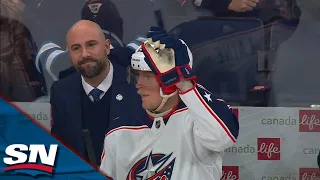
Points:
165	98
156	115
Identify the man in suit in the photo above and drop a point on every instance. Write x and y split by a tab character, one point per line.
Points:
95	97
97	11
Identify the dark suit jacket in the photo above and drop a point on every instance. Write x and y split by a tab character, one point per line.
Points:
66	107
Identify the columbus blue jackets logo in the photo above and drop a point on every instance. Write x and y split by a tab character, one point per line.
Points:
153	167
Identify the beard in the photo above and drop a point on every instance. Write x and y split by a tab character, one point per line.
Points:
91	71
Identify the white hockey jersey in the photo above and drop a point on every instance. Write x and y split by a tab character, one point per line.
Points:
184	145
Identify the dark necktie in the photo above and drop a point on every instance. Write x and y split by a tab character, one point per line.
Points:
95	93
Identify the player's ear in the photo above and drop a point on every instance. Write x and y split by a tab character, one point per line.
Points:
107	45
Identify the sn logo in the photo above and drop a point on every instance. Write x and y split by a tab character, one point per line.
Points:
20	159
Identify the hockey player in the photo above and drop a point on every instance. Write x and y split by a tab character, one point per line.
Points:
186	128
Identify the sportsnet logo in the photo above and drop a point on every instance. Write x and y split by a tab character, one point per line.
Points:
230	173
268	148
309	120
309	174
19	159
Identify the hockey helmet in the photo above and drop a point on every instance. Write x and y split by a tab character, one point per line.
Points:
138	59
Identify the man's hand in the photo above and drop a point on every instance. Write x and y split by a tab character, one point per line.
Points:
242	5
169	60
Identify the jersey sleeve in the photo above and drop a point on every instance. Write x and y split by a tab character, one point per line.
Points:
108	159
215	125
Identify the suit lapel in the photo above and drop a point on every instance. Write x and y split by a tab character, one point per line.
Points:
125	102
75	100
118	91
75	111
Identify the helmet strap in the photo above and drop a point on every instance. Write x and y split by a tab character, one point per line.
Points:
163	102
165	98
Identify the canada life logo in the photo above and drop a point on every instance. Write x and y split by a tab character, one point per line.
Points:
268	148
230	173
309	120
309	174
23	157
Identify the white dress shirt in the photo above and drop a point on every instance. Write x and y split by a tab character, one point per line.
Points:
103	86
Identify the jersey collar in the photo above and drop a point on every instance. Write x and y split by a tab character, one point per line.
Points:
166	115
